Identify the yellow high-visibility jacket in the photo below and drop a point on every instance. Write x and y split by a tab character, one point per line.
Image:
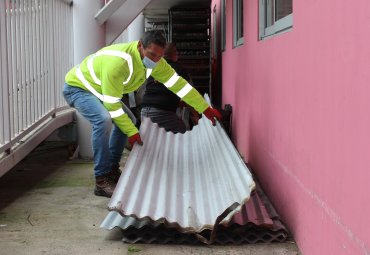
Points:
118	69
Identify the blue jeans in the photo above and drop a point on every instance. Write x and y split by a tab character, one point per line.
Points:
107	142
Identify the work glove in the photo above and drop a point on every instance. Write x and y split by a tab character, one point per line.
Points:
135	139
211	114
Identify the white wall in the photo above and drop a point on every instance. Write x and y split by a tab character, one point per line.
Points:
89	37
133	32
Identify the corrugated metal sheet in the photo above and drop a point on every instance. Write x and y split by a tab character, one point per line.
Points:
257	222
190	181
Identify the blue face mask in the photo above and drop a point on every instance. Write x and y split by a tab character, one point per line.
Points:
148	63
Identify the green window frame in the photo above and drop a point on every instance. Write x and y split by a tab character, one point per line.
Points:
223	25
238	28
275	16
215	48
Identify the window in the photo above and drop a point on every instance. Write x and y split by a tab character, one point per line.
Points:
223	25
275	16
214	32
238	22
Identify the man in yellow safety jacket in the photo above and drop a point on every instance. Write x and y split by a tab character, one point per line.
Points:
95	88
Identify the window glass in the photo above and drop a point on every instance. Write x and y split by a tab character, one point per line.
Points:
223	24
238	30
283	8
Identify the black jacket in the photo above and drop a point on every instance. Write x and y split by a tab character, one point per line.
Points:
158	96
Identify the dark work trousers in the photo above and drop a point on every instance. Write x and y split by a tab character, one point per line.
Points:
166	119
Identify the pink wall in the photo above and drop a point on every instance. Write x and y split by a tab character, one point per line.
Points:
301	118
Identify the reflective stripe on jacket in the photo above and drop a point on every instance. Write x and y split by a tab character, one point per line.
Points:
118	69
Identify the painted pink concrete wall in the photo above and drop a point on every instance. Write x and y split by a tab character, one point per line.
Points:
301	118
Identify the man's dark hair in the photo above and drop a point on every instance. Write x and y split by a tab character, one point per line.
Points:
153	36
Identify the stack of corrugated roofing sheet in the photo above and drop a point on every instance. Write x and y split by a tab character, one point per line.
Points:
257	222
188	182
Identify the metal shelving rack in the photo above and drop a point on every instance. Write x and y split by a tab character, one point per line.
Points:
189	28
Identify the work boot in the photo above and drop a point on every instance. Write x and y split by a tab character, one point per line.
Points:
104	186
115	174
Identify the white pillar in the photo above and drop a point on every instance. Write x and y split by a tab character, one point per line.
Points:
133	33
136	29
89	37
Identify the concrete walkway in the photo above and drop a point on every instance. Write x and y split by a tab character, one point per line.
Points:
47	206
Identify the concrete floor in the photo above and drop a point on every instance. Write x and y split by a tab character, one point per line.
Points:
47	207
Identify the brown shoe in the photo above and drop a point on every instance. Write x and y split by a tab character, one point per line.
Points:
104	186
114	174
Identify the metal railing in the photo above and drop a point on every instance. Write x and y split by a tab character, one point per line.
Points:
36	51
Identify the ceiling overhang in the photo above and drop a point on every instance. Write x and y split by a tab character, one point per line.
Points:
118	14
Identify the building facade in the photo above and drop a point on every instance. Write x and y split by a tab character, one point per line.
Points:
296	75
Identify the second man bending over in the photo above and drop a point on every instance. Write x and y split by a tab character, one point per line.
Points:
159	103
